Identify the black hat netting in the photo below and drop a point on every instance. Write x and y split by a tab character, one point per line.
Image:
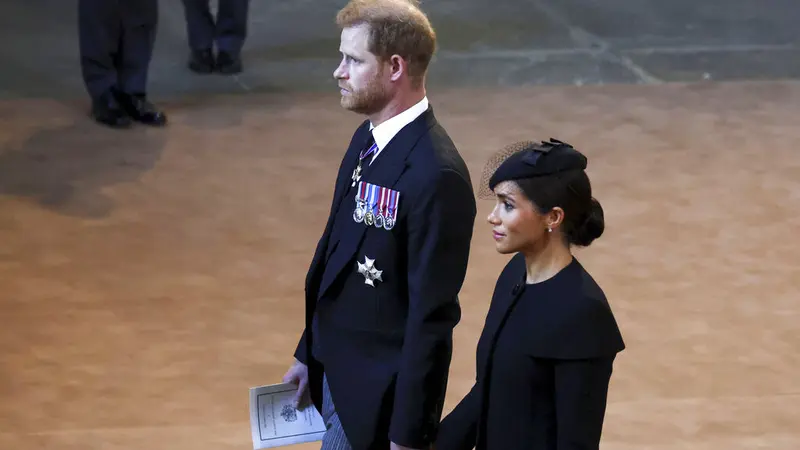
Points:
495	161
528	159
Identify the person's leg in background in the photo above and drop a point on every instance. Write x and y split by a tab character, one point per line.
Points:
231	34
139	24
99	36
200	28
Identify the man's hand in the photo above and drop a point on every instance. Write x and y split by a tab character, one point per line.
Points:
298	375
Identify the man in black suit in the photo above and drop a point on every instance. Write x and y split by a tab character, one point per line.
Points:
382	289
116	44
228	30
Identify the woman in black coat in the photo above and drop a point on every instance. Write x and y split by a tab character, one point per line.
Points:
545	355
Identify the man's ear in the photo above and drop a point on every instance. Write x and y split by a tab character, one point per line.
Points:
397	67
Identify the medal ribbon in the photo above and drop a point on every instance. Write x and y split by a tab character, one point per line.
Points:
393	197
382	202
362	191
372	198
364	153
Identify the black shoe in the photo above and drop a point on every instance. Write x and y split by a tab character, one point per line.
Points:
141	110
228	64
201	61
106	111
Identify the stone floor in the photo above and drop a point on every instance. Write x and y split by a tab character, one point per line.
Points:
150	277
293	46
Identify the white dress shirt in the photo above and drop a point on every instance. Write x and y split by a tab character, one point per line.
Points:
384	132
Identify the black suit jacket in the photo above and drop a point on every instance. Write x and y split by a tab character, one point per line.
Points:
386	349
544	361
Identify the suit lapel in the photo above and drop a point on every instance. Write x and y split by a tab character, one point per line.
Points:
342	181
386	170
350	163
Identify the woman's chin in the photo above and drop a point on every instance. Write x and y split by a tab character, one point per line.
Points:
502	249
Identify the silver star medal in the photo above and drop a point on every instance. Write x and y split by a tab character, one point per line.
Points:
369	271
356	177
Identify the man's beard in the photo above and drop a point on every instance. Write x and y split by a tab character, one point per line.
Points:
369	99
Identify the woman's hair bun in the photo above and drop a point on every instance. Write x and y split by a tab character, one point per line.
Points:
591	228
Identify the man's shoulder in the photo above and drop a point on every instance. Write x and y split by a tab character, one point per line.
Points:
436	155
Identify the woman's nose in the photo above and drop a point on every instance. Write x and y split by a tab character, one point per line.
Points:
492	218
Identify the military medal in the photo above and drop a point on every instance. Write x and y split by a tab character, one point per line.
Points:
376	205
379	207
371	274
356	174
369	218
359	212
371	192
388	223
356	177
390	207
361	203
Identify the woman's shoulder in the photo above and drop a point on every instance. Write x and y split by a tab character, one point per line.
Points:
578	296
573	318
592	299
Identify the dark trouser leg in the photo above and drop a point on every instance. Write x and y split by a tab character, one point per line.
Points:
99	33
99	37
200	30
232	25
231	32
199	24
140	20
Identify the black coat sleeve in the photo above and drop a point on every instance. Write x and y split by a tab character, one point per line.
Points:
459	430
301	352
581	390
440	227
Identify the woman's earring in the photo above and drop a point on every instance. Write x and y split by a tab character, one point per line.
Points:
549	230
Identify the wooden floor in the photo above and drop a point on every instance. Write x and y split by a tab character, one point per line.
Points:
150	277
